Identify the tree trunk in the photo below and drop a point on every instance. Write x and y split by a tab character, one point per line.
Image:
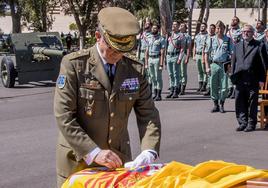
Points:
16	16
201	16
165	16
264	12
207	12
190	17
44	16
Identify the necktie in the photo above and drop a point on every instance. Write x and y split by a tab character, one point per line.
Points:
110	73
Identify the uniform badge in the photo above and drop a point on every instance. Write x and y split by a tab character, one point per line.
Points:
61	81
130	85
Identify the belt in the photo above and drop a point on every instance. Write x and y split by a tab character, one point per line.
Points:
173	53
217	62
154	56
198	53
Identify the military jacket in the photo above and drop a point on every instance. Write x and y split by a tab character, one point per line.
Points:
219	52
174	43
200	42
156	43
185	41
259	36
91	113
144	40
235	35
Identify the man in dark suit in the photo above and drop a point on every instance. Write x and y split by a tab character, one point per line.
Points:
248	74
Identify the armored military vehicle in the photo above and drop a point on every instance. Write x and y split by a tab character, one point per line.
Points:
31	57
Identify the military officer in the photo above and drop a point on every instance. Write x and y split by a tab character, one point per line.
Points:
95	93
218	51
173	50
184	56
199	43
143	43
235	34
212	29
259	32
154	60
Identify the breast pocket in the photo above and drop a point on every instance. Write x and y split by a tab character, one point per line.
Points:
93	101
126	101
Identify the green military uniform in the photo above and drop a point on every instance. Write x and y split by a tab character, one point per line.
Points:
156	43
92	112
259	35
185	44
219	53
143	45
173	51
199	41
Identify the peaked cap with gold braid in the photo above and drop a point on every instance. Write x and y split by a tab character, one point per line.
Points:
119	28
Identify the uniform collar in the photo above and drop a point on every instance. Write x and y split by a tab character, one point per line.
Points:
104	62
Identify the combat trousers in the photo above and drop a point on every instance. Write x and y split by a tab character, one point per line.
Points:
183	71
202	76
155	73
218	82
142	60
173	70
246	104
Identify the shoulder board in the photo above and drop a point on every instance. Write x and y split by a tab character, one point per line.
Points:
79	54
134	63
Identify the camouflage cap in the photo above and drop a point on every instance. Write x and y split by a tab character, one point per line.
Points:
119	27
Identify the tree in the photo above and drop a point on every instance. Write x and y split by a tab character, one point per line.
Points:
202	4
190	17
165	16
16	13
37	13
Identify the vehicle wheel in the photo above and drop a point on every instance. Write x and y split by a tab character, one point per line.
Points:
8	73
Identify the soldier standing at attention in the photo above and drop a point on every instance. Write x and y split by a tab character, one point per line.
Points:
154	60
235	34
199	42
144	40
212	29
259	32
184	56
173	50
95	93
218	51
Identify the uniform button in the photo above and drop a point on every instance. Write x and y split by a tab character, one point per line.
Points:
130	98
111	128
112	114
90	97
128	142
110	141
111	100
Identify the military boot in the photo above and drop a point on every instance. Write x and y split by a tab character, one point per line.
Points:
230	92
176	92
182	89
171	92
158	97
216	107
204	87
155	93
207	92
200	86
222	107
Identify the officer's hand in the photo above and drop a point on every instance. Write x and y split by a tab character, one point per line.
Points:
179	61
186	61
144	158
160	67
146	66
194	58
108	158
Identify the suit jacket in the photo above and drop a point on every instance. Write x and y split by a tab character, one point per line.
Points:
90	112
248	66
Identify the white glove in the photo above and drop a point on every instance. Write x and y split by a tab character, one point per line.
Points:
144	158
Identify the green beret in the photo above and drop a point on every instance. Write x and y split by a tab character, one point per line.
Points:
119	27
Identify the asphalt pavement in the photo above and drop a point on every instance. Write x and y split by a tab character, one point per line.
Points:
190	133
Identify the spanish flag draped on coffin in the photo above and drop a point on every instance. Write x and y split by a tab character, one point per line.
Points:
209	174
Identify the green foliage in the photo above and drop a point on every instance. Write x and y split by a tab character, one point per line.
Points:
73	27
